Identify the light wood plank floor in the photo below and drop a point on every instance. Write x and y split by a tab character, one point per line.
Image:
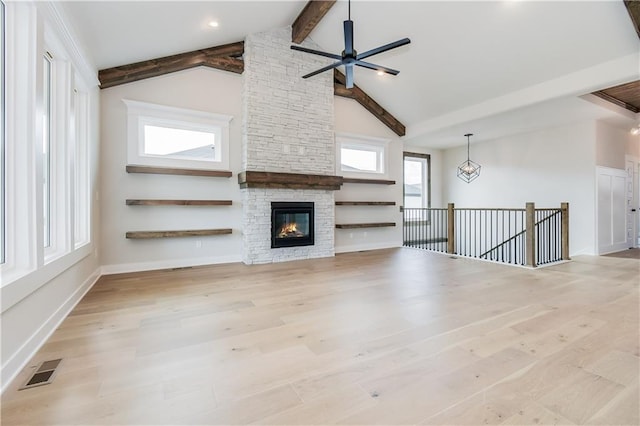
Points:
396	336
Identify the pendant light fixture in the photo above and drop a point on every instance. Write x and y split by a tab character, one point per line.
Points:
468	170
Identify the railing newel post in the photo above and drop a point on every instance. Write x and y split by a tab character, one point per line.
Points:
451	233
564	208
530	248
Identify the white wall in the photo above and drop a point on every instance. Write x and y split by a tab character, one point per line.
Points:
220	92
352	118
613	143
546	167
202	89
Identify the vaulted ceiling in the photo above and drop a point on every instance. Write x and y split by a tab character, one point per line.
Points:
469	63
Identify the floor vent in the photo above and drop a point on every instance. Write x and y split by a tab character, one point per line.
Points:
43	375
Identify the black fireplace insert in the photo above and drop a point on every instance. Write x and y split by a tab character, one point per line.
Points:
291	224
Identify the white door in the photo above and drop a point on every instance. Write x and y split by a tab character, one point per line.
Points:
631	203
611	211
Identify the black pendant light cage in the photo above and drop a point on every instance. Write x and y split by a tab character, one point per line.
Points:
469	170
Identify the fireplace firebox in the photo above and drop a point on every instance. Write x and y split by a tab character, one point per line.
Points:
291	224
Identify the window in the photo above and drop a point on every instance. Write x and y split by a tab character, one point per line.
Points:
3	179
174	137
362	155
46	149
417	180
179	143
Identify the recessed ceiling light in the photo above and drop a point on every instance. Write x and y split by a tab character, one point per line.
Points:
213	24
636	130
380	72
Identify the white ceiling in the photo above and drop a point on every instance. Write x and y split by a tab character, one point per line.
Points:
498	67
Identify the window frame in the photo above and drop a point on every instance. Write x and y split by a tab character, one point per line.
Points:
81	171
47	147
62	134
31	30
426	195
363	143
141	113
3	135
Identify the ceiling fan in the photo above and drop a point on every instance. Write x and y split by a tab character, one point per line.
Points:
350	57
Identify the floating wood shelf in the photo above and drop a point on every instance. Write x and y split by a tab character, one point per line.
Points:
173	234
254	179
178	202
365	225
369	181
365	203
173	171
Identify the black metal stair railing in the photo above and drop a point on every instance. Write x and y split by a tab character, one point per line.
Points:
425	229
495	234
482	230
548	236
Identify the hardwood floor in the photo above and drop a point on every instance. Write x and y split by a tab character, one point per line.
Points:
395	336
633	253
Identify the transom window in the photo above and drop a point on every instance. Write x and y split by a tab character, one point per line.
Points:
361	155
175	137
164	140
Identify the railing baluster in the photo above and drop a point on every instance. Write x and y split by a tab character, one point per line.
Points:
492	234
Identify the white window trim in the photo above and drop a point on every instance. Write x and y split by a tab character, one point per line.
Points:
3	134
425	180
367	143
61	145
81	196
21	239
141	113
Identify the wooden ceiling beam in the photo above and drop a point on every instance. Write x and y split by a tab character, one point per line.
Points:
607	97
310	16
226	57
367	102
633	7
307	20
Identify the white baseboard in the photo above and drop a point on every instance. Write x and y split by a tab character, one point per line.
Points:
16	362
123	268
611	249
365	247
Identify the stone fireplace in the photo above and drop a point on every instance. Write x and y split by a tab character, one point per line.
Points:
288	146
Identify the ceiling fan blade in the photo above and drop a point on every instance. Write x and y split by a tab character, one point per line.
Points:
376	67
327	68
349	73
383	48
348	37
316	52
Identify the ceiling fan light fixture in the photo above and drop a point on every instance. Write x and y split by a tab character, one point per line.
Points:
350	57
468	170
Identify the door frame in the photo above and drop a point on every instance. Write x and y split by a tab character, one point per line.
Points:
614	246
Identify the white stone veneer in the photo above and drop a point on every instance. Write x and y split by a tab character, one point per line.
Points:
287	127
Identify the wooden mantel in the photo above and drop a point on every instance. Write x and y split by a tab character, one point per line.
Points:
253	179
